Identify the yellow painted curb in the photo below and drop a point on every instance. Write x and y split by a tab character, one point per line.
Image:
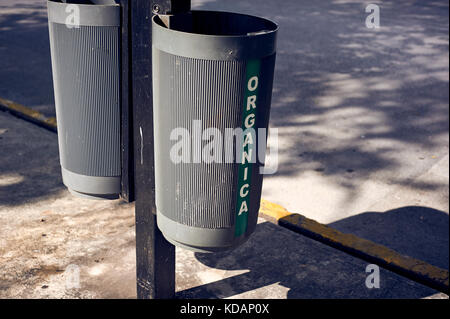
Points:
28	114
409	267
273	211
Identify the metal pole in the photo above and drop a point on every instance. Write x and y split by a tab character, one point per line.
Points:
127	172
155	257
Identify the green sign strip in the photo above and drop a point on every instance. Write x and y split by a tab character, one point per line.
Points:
248	150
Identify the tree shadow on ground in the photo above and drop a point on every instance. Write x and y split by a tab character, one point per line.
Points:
354	103
29	162
309	269
419	232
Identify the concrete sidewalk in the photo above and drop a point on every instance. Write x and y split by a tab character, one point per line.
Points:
45	232
362	113
364	147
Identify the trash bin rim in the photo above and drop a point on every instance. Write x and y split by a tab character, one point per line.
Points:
216	47
272	31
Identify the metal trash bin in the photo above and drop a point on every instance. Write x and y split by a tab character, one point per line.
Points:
211	75
85	52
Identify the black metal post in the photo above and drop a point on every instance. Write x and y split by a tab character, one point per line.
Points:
155	257
127	181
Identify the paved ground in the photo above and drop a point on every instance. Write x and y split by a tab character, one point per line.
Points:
362	113
44	231
363	127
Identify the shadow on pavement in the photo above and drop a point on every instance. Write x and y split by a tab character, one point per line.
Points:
29	162
352	104
25	65
415	231
309	269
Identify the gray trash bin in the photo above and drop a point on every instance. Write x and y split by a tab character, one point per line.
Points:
85	44
211	76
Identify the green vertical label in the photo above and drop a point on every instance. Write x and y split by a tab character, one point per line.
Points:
248	149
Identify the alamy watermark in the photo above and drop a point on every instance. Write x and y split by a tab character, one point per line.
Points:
73	16
72	275
373	279
373	19
231	145
241	145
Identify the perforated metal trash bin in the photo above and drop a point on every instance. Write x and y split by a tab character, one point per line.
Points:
210	77
84	40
